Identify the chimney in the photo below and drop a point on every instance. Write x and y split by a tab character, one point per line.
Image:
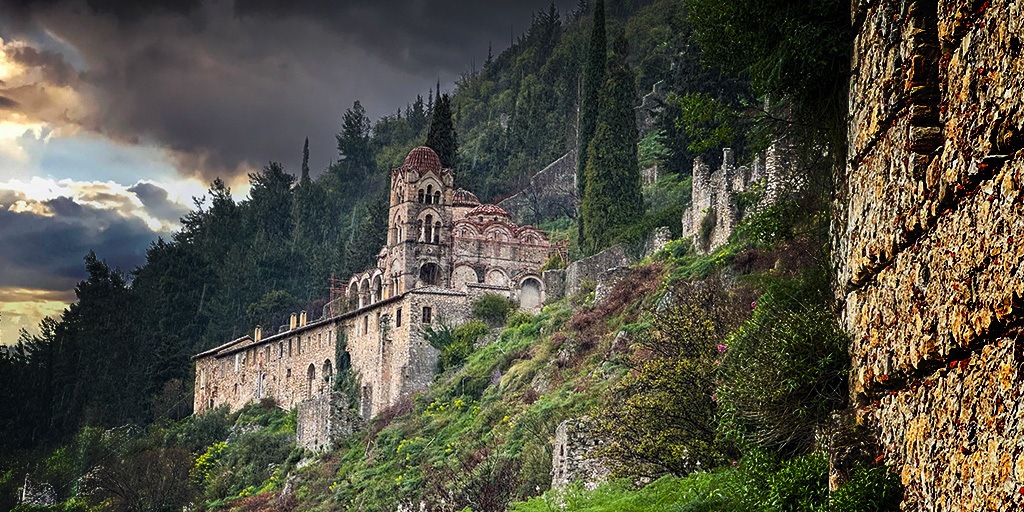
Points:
258	333
292	322
302	319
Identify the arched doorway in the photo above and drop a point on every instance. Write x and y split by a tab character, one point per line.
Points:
530	293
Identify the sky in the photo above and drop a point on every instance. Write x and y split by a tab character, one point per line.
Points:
114	114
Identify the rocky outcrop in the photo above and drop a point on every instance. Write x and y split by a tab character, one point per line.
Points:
929	256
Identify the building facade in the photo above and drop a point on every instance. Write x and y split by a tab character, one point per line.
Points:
444	249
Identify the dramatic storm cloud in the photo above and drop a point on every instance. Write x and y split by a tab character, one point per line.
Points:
227	88
114	113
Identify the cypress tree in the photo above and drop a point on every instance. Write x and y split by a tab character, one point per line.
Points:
613	198
305	163
593	81
441	137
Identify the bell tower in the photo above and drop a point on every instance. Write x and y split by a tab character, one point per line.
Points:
419	223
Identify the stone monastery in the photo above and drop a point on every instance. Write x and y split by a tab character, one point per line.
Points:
444	250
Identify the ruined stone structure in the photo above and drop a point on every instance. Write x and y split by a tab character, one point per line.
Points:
550	194
929	246
715	209
574	457
444	249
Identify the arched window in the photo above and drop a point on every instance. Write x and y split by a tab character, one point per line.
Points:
429	274
328	372
419	229
437	232
429	227
419	196
430	193
437	197
310	376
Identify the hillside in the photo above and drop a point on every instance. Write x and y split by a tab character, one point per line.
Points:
832	323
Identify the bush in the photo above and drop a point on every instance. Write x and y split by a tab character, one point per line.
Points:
493	308
759	482
870	489
455	344
785	369
663	417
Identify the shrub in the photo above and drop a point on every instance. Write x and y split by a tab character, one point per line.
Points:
455	344
870	489
493	308
663	417
785	369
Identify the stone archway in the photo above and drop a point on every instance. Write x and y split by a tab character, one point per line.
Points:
530	293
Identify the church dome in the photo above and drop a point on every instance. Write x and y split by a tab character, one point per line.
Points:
464	197
487	210
423	159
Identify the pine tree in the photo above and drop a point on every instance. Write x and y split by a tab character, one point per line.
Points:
613	198
593	81
354	144
441	137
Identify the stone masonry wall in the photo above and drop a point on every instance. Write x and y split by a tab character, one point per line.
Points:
573	455
550	194
929	256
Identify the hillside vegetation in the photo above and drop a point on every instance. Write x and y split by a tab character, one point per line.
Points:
712	381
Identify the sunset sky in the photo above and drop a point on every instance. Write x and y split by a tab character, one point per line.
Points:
114	114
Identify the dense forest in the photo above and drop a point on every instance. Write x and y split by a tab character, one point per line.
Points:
121	354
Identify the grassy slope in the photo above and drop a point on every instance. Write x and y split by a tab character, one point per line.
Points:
482	433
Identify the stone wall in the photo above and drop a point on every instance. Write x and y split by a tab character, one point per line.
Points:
929	265
289	367
550	194
714	213
573	455
588	269
325	419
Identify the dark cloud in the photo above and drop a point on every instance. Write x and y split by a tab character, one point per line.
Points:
55	69
45	251
156	201
228	88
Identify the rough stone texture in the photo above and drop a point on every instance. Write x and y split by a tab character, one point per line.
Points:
607	280
588	269
324	419
550	194
928	256
554	284
957	437
573	455
714	211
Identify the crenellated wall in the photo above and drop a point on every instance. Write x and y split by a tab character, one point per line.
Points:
930	260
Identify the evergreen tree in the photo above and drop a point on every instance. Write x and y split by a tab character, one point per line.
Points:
613	198
354	144
593	81
441	137
305	163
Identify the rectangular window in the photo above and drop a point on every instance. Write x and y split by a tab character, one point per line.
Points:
366	324
237	357
298	345
289	348
280	350
398	317
426	314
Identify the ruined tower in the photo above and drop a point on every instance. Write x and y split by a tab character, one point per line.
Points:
419	223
